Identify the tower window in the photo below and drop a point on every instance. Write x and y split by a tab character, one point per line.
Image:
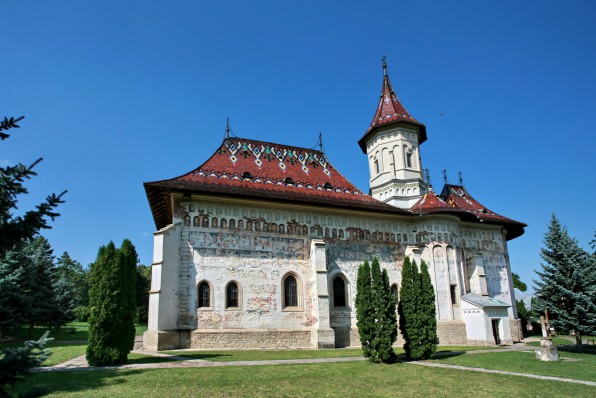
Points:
377	170
408	159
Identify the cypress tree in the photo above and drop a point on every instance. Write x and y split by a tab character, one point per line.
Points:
364	308
407	307
128	281
567	284
110	316
429	340
375	312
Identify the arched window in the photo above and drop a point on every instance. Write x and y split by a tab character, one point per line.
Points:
214	222
240	224
232	223
223	223
196	222
204	293
232	295
339	292
395	293
290	295
205	222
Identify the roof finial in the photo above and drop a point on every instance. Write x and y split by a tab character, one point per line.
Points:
228	128
321	142
444	175
384	63
427	176
461	180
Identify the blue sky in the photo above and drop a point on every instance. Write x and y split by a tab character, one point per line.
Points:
125	92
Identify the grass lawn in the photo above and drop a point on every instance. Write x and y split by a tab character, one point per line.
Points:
351	379
525	362
263	355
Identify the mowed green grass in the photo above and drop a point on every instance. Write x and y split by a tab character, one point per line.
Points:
581	366
348	379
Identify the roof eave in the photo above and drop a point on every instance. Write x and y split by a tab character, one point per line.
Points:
421	132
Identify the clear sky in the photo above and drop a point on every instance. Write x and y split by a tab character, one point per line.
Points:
119	93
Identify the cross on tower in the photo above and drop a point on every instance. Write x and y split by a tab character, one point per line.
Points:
444	175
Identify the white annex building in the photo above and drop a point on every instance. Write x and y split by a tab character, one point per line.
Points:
259	246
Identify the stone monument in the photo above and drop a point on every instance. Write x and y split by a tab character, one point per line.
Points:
546	352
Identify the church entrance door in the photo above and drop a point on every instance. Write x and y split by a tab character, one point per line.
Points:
495	324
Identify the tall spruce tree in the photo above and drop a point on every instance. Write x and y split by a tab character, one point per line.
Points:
38	261
364	308
429	338
111	320
567	283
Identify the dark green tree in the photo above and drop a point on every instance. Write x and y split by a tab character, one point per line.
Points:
374	298
429	339
77	275
111	320
517	283
13	297
143	287
128	280
408	305
567	283
364	308
16	364
14	229
522	313
38	281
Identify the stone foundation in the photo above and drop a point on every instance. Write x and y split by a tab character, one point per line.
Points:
158	340
251	338
452	333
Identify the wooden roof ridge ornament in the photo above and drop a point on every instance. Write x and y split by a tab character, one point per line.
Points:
229	131
391	111
461	180
321	142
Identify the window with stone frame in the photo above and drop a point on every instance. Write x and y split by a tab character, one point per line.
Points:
204	295
339	292
232	295
290	292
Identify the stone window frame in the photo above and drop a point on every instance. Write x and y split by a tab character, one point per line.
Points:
238	298
346	291
210	286
299	293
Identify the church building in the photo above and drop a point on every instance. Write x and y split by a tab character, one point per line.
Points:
259	246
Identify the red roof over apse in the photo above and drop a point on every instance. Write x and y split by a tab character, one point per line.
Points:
391	111
430	202
256	169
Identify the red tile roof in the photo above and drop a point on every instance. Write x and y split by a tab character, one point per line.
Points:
256	169
456	199
390	111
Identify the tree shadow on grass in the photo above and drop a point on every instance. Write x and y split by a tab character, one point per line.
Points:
585	349
201	355
74	382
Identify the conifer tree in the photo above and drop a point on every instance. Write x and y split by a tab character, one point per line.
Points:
429	339
567	283
375	312
407	306
128	280
364	308
110	321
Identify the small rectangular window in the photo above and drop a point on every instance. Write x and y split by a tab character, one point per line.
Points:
453	294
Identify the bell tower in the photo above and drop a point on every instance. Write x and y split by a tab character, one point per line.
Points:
392	144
